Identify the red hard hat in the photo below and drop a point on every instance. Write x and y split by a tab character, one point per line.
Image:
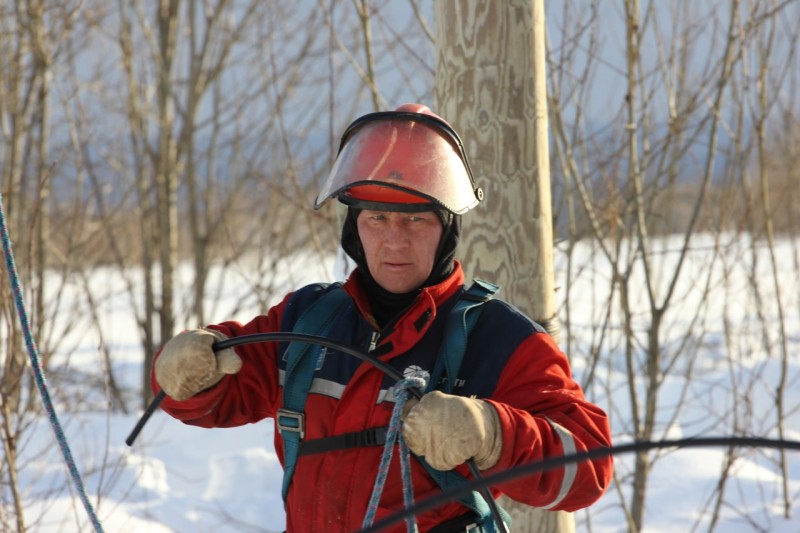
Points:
409	159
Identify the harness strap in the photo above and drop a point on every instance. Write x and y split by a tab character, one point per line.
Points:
473	501
368	437
462	318
316	320
459	323
463	524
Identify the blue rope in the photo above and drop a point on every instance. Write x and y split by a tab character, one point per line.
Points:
401	392
39	374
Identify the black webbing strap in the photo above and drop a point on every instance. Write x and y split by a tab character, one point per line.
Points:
367	437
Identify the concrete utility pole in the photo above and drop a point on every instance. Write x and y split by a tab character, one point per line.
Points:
490	84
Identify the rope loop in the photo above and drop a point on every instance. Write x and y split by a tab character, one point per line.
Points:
402	390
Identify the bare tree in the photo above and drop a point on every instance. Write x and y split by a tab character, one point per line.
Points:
162	138
24	108
762	113
166	179
681	93
31	41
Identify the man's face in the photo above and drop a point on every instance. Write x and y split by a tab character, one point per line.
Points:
400	247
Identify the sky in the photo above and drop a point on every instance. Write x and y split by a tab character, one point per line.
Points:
177	478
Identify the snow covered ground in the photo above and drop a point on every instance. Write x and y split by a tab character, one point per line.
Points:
177	478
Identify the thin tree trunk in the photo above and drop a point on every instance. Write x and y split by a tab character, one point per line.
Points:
362	7
42	60
166	178
9	438
763	179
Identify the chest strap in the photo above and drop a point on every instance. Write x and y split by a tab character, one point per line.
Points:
356	439
460	322
300	371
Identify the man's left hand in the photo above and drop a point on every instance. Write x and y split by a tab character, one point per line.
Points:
447	430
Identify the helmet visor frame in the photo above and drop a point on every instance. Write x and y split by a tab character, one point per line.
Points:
417	154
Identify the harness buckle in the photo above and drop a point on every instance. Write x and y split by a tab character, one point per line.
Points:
376	437
291	421
473	528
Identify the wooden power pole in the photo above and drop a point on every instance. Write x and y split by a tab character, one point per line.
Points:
490	84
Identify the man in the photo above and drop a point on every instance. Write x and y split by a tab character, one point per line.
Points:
405	180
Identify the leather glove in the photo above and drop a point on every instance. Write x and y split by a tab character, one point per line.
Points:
187	363
447	430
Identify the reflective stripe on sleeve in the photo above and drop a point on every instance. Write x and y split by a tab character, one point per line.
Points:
571	469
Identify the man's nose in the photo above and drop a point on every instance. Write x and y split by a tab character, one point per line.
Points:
396	233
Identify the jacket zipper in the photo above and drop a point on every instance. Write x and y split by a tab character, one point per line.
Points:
373	341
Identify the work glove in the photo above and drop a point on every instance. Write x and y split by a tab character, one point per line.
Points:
447	430
187	363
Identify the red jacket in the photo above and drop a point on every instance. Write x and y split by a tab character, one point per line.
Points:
509	362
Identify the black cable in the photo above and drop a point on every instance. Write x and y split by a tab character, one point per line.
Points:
480	483
390	371
272	337
519	471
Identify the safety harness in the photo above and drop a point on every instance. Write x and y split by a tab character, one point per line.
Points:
303	359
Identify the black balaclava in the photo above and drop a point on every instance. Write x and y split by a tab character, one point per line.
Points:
386	305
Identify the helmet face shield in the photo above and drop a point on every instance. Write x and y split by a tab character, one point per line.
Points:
401	161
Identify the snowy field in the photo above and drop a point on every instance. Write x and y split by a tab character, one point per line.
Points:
177	478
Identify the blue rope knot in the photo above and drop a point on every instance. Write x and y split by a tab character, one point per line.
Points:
402	389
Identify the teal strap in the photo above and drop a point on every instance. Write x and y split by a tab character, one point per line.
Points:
460	321
316	320
473	501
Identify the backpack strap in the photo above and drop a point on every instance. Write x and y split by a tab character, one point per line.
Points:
290	420
460	321
474	501
317	320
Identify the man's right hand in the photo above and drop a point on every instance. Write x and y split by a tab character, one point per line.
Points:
187	363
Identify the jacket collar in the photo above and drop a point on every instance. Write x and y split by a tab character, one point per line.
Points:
414	323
